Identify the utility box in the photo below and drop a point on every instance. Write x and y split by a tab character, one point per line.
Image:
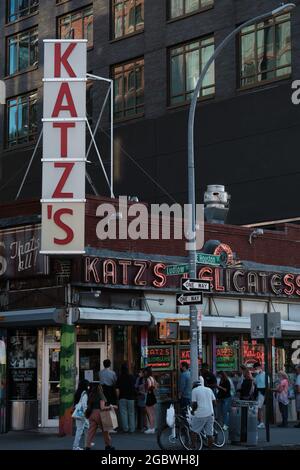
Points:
243	423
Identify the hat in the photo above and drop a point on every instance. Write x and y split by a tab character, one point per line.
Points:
199	382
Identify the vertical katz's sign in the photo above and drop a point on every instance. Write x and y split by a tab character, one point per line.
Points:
64	122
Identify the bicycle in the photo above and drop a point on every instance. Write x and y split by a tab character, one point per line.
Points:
218	435
173	438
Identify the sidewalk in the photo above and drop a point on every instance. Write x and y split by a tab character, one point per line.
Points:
288	438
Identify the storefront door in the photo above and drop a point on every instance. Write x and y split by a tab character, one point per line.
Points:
51	375
89	359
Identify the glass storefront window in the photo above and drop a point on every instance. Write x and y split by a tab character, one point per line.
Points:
90	335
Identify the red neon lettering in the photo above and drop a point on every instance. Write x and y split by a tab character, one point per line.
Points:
64	92
298	284
64	126
68	167
63	60
69	232
287	280
160	275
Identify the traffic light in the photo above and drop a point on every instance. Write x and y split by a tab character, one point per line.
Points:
168	330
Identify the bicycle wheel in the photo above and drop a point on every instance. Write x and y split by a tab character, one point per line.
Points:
186	439
167	440
219	435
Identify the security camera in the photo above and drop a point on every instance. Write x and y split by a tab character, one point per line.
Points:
256	232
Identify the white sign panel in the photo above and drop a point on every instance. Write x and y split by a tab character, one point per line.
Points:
64	139
64	99
62	227
65	58
63	180
64	147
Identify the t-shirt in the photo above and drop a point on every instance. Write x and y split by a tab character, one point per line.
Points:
185	385
107	377
126	385
95	404
204	398
260	380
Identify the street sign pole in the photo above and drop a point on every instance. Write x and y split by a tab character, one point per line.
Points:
267	394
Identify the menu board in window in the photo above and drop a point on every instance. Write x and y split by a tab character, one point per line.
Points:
22	365
160	358
226	358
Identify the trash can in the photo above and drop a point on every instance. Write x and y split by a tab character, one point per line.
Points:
243	423
24	415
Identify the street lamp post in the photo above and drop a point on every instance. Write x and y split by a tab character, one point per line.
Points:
284	8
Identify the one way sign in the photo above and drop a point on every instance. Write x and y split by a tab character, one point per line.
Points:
189	298
195	284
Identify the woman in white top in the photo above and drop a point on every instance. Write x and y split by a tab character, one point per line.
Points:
80	406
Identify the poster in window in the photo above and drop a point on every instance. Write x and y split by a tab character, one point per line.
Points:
226	358
22	365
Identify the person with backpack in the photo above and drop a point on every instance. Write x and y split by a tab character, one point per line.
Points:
150	387
224	398
80	406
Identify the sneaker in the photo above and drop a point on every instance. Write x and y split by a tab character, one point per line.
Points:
113	431
92	444
225	427
261	426
77	448
110	448
149	431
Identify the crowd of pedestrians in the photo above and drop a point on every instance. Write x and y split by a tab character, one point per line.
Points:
132	398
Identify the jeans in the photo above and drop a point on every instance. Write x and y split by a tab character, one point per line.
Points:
225	404
127	414
284	410
81	430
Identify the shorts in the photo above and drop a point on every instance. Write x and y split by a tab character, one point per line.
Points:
203	424
260	400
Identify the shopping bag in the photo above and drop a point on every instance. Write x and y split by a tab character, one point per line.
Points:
109	419
170	416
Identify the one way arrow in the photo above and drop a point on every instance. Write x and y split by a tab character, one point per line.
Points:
189	299
195	284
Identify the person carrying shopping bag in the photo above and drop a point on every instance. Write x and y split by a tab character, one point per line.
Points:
97	412
80	406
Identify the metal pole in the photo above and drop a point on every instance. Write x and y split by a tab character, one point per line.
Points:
267	397
112	139
29	165
191	177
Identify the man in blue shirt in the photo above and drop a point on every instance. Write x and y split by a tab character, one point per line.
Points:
185	387
260	382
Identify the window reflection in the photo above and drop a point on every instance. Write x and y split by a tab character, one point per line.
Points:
78	25
17	9
265	50
128	17
186	63
129	89
21	119
179	8
22	51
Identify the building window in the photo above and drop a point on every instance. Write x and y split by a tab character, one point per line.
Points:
21	119
22	51
265	51
129	89
179	8
77	25
128	17
186	63
17	9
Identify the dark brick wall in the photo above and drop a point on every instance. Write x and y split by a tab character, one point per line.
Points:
247	140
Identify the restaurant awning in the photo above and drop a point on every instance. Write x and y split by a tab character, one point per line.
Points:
34	317
113	316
